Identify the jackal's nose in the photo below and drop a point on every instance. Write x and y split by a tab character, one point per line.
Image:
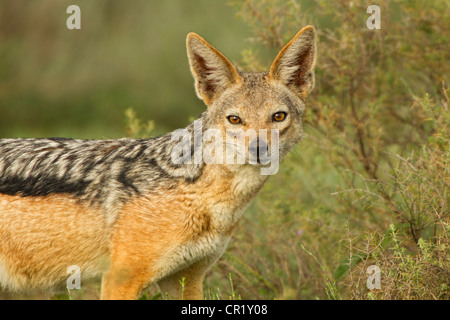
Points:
258	148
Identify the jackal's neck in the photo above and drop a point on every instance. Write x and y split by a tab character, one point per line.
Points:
224	192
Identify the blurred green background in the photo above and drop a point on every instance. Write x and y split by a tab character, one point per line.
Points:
78	83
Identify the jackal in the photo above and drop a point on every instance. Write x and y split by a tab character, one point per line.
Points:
122	209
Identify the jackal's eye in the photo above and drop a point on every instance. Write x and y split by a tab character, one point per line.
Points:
279	116
234	119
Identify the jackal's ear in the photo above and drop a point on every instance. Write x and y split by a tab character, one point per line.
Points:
213	72
294	64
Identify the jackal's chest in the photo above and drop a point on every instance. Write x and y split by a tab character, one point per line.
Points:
189	224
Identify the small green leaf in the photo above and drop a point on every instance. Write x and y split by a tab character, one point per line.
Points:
344	267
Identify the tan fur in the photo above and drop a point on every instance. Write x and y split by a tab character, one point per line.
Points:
57	233
172	226
149	239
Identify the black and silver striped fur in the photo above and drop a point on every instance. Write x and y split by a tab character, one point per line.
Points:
102	172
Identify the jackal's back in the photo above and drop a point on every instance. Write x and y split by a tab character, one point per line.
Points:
101	172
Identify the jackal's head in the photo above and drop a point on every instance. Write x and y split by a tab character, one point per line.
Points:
262	102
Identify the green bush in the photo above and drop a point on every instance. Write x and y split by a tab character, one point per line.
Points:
376	156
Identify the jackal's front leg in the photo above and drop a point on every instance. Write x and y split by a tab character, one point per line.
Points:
186	284
123	284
